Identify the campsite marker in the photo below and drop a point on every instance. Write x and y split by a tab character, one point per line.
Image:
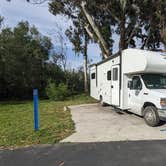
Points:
36	115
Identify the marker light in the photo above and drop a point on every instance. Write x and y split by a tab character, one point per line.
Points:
163	101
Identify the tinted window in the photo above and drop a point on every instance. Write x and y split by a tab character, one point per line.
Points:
93	75
136	83
154	81
115	74
109	75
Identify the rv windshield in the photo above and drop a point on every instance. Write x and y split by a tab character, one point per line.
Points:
154	81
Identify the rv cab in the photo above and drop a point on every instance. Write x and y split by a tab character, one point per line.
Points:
148	89
134	80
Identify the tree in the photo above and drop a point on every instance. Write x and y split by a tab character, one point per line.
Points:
23	55
80	39
77	34
1	21
100	18
74	11
101	41
130	19
59	54
161	10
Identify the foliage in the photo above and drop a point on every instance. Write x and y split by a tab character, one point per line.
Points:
75	81
1	21
23	62
131	20
16	119
56	93
73	84
77	33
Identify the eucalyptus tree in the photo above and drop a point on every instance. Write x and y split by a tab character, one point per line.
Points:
154	23
161	14
130	19
127	18
1	21
79	32
80	40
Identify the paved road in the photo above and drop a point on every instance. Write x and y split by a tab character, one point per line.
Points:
140	153
100	124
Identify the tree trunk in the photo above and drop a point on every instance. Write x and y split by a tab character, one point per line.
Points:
85	64
122	42
96	30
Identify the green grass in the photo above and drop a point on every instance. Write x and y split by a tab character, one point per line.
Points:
16	122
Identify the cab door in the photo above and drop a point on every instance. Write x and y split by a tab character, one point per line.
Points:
135	95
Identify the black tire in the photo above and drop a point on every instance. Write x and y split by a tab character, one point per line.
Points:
101	101
151	116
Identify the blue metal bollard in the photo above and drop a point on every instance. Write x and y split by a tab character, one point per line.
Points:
36	115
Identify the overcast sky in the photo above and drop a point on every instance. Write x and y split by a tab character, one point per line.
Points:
38	15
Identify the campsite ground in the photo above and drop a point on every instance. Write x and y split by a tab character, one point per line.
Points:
16	122
95	123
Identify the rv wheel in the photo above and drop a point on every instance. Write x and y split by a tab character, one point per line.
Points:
151	116
101	101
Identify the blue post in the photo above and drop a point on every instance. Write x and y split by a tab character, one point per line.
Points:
36	118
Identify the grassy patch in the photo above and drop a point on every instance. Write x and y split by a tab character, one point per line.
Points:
16	122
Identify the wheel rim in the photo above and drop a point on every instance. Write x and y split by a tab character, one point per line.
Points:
149	116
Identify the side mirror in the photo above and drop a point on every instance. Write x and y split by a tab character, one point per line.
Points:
129	85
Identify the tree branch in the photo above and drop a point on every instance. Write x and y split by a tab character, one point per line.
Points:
96	30
37	2
133	32
89	32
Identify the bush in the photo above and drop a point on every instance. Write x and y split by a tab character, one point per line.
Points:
59	92
75	81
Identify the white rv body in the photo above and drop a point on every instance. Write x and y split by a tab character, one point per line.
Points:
110	80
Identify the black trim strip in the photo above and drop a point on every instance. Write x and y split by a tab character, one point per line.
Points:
120	79
107	59
96	76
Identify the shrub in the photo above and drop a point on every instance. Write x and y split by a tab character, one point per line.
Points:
75	81
59	92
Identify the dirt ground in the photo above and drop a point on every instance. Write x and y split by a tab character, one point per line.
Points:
101	124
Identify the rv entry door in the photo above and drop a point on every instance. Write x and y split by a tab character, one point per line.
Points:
115	85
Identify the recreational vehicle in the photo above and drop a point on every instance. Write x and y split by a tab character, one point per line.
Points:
134	80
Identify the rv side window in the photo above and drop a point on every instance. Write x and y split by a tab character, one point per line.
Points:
115	74
109	75
136	83
93	75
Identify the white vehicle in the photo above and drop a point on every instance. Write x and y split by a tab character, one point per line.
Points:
134	80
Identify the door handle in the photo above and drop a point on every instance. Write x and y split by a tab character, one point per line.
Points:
146	93
112	86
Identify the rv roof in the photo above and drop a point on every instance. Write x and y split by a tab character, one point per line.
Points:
140	61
